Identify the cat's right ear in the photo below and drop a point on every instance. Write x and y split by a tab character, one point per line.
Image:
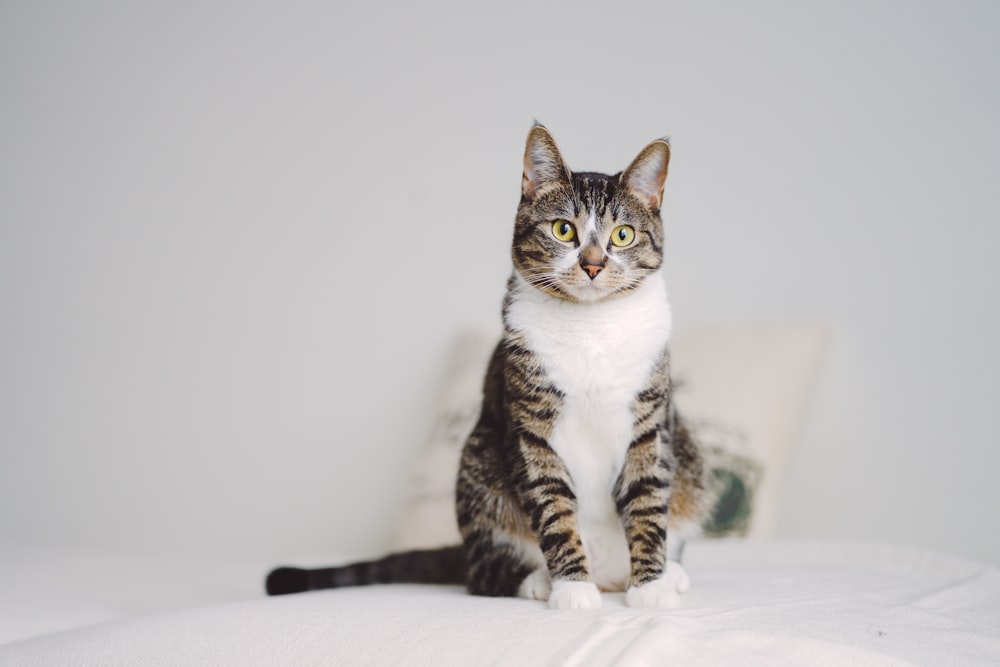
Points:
543	164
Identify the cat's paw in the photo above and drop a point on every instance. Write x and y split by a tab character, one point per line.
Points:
574	595
663	592
536	586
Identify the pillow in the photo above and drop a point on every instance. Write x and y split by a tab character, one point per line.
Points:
428	519
742	389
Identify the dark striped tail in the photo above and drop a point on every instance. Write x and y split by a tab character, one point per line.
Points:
434	566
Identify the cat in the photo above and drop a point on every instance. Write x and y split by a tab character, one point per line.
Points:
579	476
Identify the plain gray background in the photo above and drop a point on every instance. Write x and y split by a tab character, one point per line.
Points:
235	239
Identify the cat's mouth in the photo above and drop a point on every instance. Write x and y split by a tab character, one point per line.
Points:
574	285
583	288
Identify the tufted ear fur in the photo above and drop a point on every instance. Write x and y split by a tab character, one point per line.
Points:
648	172
543	164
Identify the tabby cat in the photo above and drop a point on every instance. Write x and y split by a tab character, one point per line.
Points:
579	476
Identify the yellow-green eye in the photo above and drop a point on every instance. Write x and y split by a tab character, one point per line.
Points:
623	236
563	230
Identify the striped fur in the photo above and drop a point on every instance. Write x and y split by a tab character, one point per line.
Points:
578	467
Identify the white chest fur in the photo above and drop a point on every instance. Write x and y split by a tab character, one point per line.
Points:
600	355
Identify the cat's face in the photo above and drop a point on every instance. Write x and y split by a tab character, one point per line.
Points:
587	237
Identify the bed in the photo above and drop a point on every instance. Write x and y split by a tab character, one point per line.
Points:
752	602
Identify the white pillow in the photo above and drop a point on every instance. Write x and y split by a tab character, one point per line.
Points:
743	388
428	519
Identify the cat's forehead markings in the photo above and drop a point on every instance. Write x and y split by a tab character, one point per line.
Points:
590	227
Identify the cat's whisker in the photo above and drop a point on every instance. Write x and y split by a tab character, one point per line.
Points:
542	273
544	279
535	280
630	285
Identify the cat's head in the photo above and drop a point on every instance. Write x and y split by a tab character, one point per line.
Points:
584	236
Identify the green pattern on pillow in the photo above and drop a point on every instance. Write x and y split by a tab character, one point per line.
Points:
732	476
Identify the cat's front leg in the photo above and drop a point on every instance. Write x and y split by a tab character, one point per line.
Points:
642	496
548	499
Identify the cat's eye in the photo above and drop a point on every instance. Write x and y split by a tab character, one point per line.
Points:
563	230
622	236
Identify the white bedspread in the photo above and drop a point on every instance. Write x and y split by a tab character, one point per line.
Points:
750	603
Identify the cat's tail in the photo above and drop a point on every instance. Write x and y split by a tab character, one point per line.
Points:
434	566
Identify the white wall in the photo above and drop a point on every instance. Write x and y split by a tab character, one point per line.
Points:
234	241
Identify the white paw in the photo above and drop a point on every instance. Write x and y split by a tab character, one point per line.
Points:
536	586
574	595
676	575
662	592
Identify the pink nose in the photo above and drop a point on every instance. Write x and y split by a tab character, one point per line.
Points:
592	269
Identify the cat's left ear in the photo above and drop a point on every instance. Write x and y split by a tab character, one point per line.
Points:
648	172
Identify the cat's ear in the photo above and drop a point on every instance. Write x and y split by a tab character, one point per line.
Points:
543	164
648	172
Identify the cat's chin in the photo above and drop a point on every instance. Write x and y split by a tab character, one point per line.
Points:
590	295
590	292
